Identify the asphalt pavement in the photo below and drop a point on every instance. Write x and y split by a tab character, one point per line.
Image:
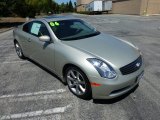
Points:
29	92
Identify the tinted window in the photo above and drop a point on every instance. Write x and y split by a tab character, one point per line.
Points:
27	27
43	30
72	29
39	29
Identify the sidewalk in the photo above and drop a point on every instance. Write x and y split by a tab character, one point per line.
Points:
8	23
5	29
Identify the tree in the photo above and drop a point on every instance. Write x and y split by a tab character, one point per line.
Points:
70	6
30	8
62	7
40	5
6	7
21	9
67	7
57	9
75	6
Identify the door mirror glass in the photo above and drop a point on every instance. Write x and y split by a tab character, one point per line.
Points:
44	38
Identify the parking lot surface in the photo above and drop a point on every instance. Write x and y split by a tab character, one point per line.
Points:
29	92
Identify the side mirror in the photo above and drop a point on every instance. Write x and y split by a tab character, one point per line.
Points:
44	38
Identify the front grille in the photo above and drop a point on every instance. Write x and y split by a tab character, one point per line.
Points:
132	67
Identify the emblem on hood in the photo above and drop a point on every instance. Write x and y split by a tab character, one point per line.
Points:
138	64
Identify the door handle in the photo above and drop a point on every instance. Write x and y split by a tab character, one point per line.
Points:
29	40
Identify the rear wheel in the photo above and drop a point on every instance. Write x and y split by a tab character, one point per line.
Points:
19	50
78	83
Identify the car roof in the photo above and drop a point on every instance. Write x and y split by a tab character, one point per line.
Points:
57	18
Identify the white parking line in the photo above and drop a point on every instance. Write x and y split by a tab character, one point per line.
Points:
35	98
36	113
13	62
6	46
10	55
33	94
50	117
9	58
112	21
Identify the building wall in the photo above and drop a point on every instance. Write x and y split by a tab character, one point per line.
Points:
81	4
126	7
138	7
81	8
150	7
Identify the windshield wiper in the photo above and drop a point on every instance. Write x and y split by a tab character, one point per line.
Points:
84	36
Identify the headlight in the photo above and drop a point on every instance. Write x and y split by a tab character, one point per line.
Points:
103	68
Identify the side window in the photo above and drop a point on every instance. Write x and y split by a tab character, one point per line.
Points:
39	29
35	29
27	27
43	30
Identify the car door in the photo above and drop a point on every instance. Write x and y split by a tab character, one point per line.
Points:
42	52
25	38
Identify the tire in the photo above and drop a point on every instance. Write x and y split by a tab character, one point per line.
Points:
78	83
19	50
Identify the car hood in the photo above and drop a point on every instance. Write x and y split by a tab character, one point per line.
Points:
107	48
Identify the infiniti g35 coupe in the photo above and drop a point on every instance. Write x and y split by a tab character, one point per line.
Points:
92	64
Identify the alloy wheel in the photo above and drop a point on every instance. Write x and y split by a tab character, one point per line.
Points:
18	50
76	82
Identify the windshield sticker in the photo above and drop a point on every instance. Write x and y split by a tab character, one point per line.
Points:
51	24
35	28
56	23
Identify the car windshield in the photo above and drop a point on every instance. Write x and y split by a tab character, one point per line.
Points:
72	29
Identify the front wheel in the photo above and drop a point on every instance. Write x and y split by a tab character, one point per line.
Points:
19	50
78	83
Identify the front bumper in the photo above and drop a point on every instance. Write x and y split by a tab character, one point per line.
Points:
113	88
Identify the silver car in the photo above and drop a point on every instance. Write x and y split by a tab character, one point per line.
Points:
92	64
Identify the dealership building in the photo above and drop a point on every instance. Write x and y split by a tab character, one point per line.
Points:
136	7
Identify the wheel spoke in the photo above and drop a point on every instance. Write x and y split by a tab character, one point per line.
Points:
70	78
73	85
20	54
80	79
77	76
82	89
17	46
73	75
18	50
77	89
76	82
81	82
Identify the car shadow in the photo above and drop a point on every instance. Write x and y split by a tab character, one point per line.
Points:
114	100
43	68
95	101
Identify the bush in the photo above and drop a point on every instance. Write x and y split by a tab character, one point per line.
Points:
23	10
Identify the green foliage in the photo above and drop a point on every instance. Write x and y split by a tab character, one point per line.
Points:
40	5
29	8
64	8
70	6
75	4
24	10
6	7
